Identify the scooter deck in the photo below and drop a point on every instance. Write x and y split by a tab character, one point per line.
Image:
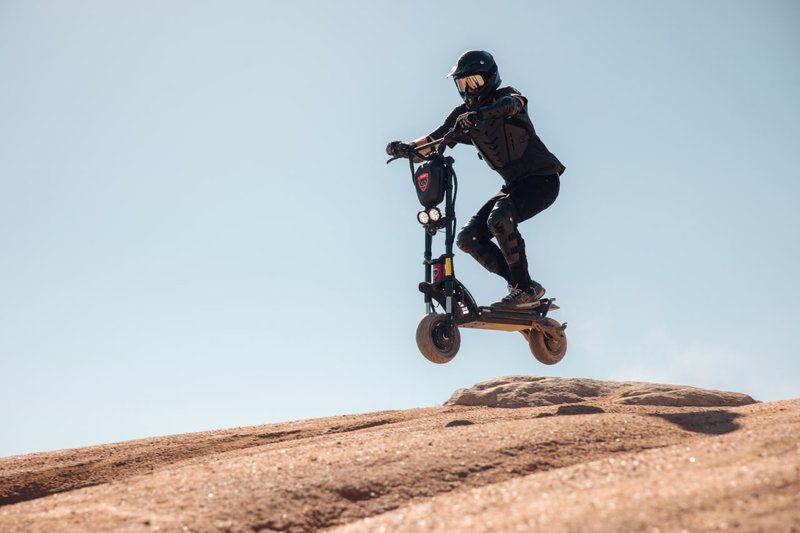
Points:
505	319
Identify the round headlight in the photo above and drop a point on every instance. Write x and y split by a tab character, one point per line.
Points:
434	214
423	217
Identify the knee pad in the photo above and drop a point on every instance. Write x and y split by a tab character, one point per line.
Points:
504	228
501	220
467	238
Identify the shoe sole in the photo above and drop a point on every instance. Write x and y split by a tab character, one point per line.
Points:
527	305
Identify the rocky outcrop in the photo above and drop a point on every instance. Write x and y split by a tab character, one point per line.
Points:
537	391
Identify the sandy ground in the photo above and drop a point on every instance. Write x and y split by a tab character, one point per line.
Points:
592	466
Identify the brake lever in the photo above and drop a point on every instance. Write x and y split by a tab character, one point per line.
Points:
395	158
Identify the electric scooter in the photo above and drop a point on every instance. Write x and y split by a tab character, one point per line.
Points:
438	337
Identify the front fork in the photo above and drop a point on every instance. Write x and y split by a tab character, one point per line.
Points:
449	215
449	286
448	280
428	267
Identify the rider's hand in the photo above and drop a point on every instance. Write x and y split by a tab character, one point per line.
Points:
468	120
397	149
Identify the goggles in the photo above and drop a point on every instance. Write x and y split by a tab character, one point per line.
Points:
469	84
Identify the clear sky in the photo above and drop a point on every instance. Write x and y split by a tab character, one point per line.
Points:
198	230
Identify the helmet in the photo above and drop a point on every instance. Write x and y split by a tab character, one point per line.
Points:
476	77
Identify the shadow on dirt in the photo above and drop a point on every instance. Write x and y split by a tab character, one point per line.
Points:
455	423
578	409
708	422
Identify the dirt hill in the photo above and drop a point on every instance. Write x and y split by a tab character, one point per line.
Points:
579	455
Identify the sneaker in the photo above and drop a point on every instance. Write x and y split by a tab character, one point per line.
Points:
520	298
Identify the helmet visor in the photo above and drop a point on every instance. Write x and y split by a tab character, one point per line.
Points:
469	84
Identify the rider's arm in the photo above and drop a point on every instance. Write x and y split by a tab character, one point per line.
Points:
439	132
418	142
421	141
503	107
448	123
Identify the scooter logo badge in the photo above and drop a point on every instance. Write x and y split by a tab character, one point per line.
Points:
438	272
422	181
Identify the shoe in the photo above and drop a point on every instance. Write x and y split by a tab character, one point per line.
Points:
520	298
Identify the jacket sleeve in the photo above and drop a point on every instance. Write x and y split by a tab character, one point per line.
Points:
503	107
448	123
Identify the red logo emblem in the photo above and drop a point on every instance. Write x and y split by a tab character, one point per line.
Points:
422	181
438	272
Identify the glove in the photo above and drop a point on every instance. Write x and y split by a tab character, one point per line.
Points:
468	120
397	149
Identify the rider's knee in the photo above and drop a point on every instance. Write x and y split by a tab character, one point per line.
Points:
501	220
467	238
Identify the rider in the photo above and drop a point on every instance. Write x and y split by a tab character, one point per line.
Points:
495	120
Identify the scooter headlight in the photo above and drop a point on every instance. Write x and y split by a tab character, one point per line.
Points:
423	217
434	214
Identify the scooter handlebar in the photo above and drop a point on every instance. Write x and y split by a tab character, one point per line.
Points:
415	151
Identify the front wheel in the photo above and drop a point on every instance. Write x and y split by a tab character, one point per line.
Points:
437	341
548	346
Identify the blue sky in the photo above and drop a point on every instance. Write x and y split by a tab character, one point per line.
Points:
198	229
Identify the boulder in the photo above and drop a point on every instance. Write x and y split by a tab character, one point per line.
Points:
538	391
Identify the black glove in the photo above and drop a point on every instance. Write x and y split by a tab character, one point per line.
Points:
468	120
397	149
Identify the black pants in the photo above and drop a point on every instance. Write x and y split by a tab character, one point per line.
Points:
498	218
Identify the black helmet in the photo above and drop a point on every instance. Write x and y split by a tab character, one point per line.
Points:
476	77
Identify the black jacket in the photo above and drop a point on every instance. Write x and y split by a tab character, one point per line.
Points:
505	137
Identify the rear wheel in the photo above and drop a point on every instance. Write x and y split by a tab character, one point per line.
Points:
550	345
437	341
